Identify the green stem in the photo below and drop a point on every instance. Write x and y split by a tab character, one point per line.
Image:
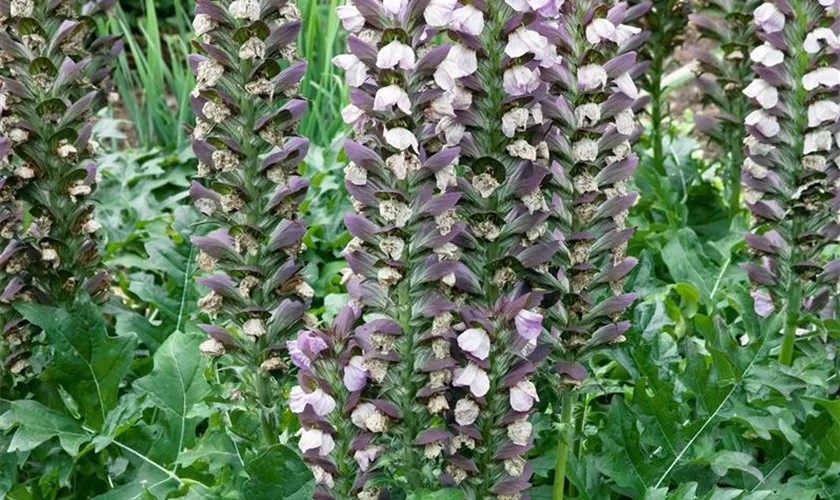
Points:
789	339
656	113
410	418
266	418
564	444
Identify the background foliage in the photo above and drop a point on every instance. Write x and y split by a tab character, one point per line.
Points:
693	406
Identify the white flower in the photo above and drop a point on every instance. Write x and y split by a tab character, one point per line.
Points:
476	342
355	71
823	111
624	33
387	97
769	18
600	29
467	19
315	439
520	80
515	120
351	18
452	131
395	54
439	12
767	55
592	76
245	9
401	139
767	124
625	122
812	43
523	40
817	141
624	83
766	94
395	8
466	411
585	150
473	377
459	62
827	77
351	114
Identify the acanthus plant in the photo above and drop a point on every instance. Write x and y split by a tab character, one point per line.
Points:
247	105
491	109
55	73
790	172
408	242
723	74
665	21
591	105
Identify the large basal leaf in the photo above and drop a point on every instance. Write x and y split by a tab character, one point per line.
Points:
175	385
87	362
163	282
34	424
278	472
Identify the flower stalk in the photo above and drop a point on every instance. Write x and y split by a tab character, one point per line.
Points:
55	74
591	106
721	77
404	258
247	106
790	173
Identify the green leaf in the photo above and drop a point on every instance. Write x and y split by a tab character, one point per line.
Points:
723	461
687	263
86	361
175	385
278	472
36	424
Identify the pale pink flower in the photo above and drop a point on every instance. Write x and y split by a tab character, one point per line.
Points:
528	324
767	124
351	18
438	13
769	18
473	377
321	402
520	80
592	77
355	71
600	29
468	19
813	40
355	374
523	395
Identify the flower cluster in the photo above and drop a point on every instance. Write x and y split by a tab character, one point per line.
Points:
247	105
54	74
327	436
592	112
721	75
405	256
492	110
790	174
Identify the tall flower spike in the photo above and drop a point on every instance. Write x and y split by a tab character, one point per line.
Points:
723	73
55	74
791	178
328	437
496	116
591	110
665	21
405	256
247	106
